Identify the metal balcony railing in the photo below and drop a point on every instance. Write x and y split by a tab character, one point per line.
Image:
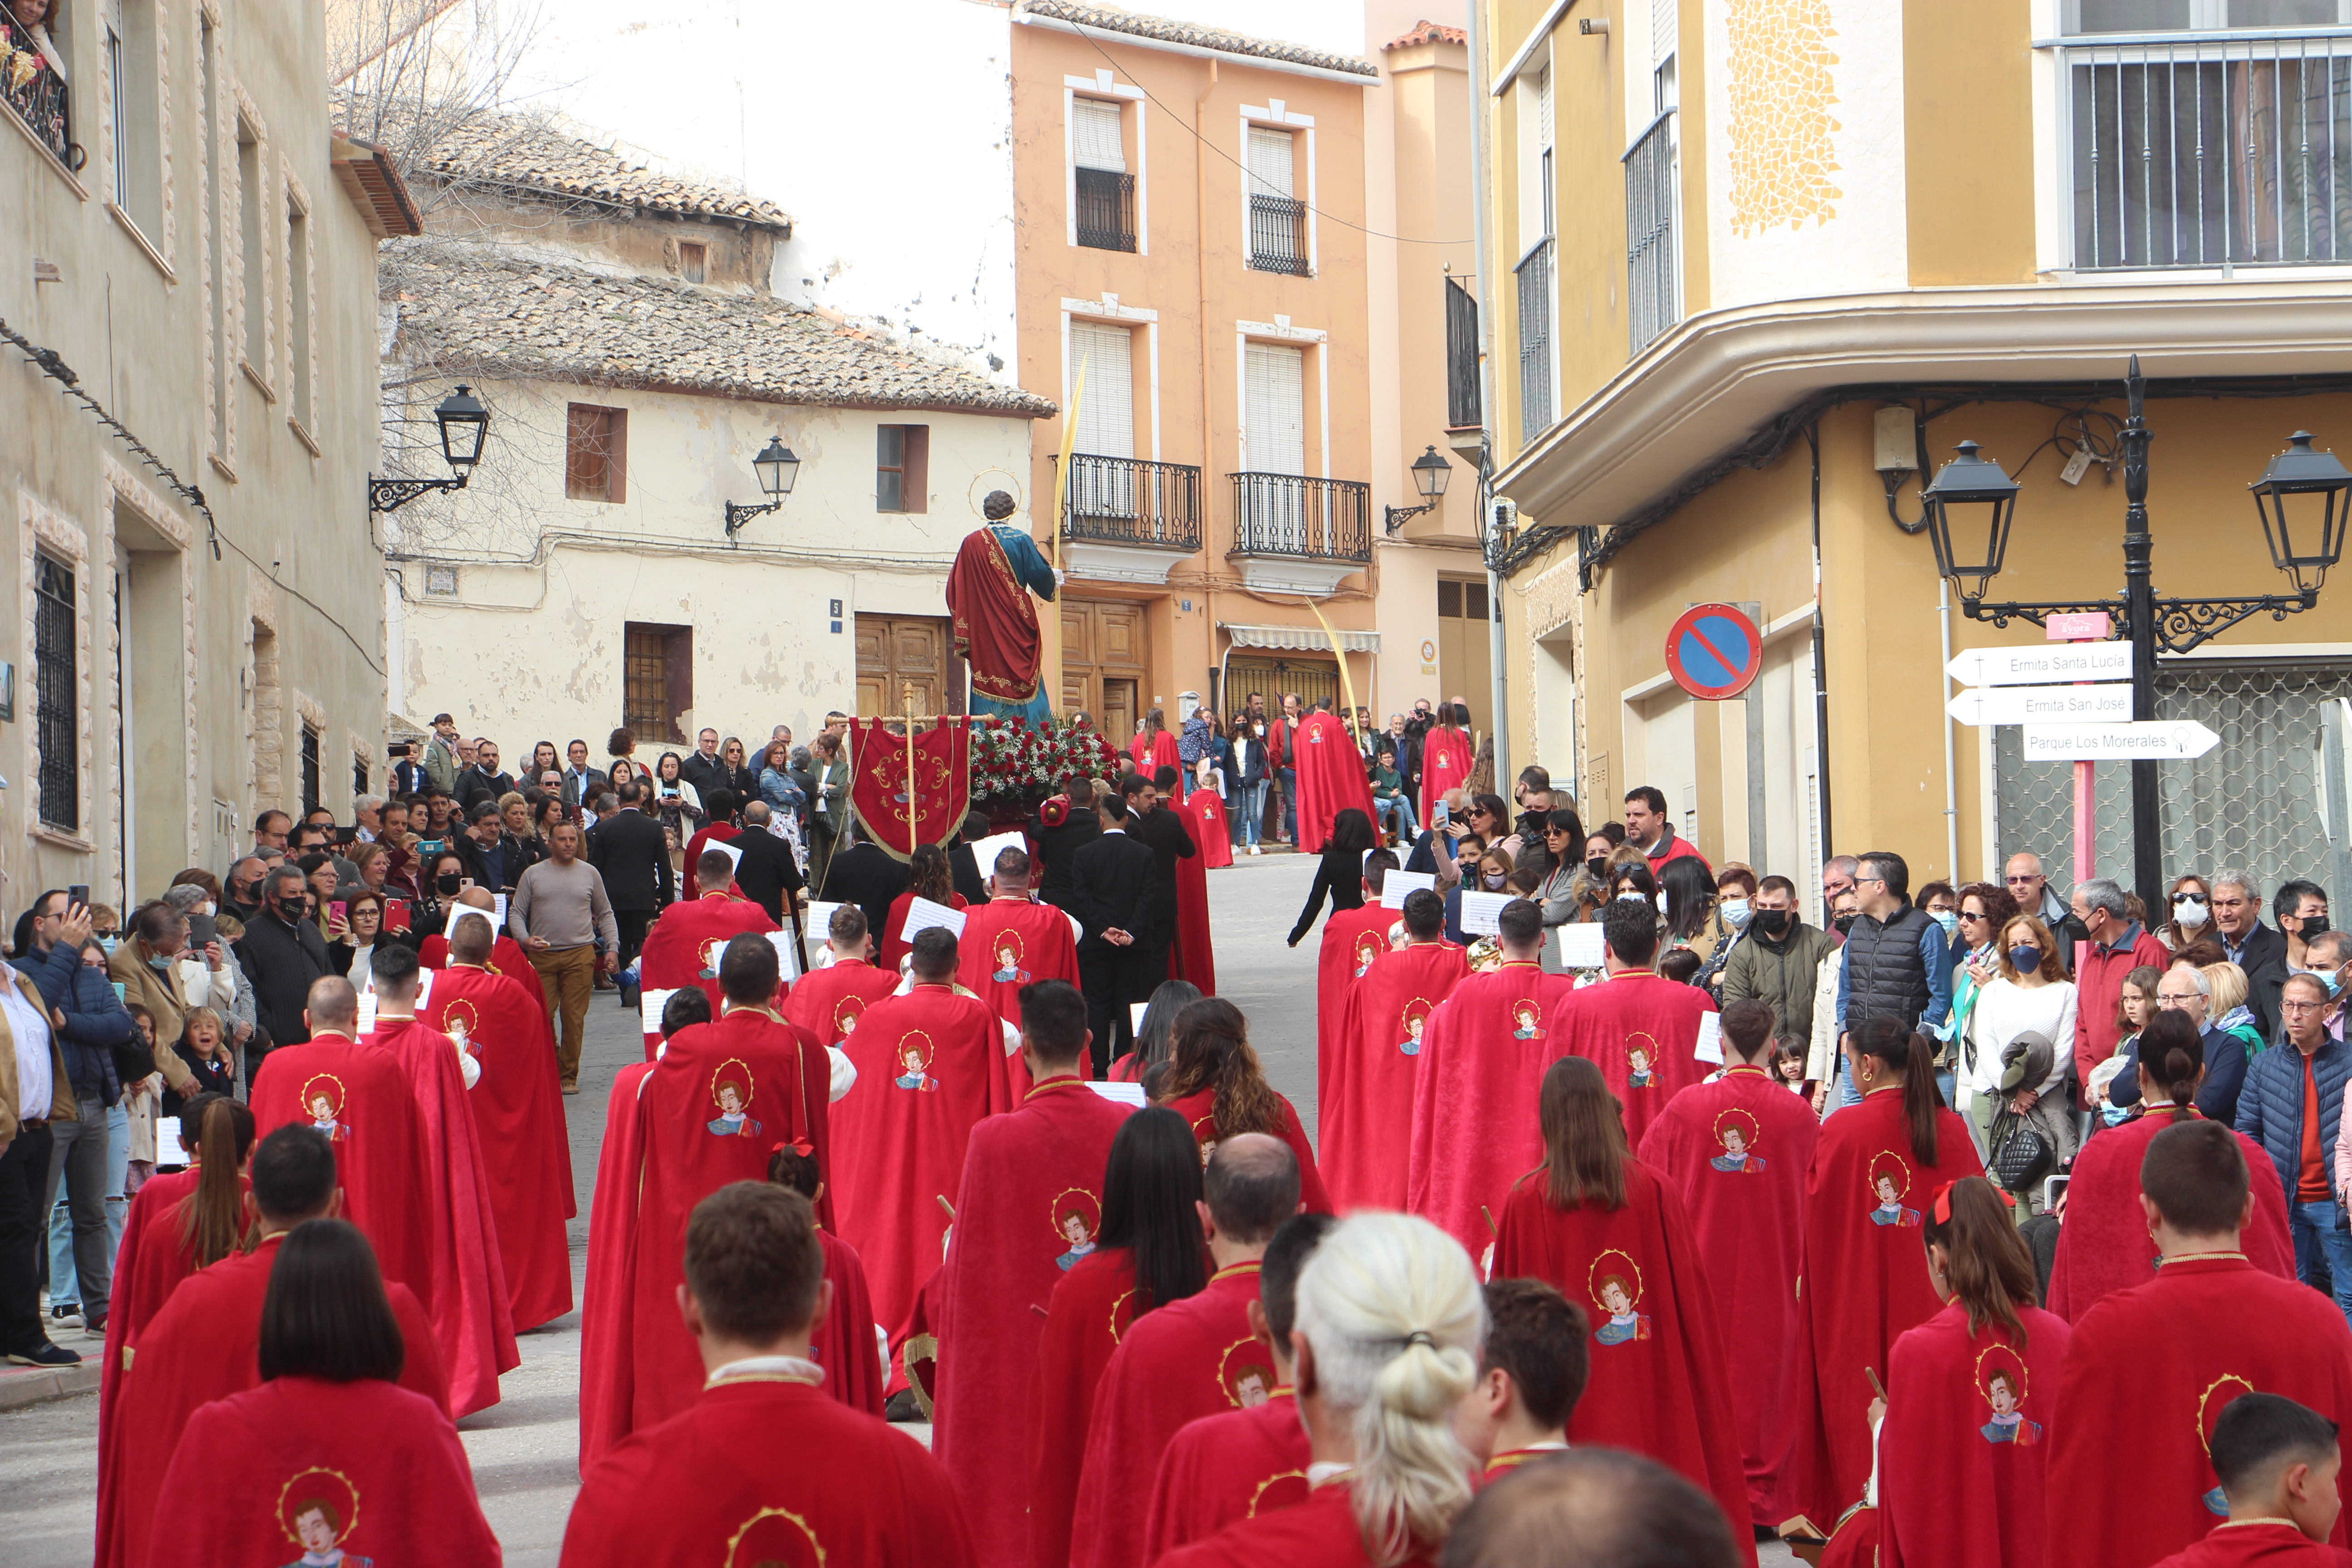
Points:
35	94
1106	209
2206	151
1126	500
1653	283
1534	275
1277	235
1292	514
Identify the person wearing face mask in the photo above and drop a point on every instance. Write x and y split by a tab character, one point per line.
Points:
2030	995
2190	912
2300	908
1843	898
1735	902
2112	946
1778	959
283	953
1589	887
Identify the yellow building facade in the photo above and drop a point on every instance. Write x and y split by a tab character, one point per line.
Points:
1756	266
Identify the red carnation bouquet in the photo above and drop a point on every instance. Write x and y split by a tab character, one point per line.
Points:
1016	767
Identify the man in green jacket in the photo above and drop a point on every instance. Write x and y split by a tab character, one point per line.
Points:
1779	961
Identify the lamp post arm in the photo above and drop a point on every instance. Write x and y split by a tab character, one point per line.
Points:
738	515
391	495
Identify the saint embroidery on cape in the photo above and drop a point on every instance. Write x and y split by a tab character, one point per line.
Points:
707	958
1616	1288
323	1098
1008	969
1640	1060
1077	1214
1416	1019
2218	1397
318	1508
915	1052
1368	948
1529	1017
730	1091
844	1019
777	1536
1245	1372
1890	1179
2002	1383
1735	1132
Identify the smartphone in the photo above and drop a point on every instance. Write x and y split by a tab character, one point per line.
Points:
337	909
79	893
396	914
202	929
428	846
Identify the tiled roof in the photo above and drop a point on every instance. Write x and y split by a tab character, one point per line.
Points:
1427	33
561	159
1112	19
497	310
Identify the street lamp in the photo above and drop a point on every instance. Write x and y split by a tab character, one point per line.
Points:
1430	473
777	468
2298	471
465	424
1975	493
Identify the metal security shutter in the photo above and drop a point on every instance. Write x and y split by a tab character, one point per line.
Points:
1093	126
1270	163
1106	406
1274	415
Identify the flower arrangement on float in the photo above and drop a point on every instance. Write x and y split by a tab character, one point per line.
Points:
1017	766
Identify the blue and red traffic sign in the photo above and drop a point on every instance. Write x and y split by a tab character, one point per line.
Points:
1714	651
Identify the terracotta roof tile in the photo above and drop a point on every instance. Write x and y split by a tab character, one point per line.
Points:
1113	19
557	157
1427	33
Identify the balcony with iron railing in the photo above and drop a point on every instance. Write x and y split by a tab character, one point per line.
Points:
36	95
1653	293
1125	520
1277	235
1106	209
1297	534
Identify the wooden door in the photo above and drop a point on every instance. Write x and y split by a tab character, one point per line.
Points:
1106	661
1119	715
894	651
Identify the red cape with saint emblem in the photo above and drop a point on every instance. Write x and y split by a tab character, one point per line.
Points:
149	1264
995	625
929	1064
1153	750
1190	1358
1747	1212
1864	1286
1199	1109
1641	1030
1090	1311
1223	1469
1320	1532
846	1346
1475	1127
472	1311
893	946
1351	939
369	1111
1211	831
1331	777
1011	943
518	1110
2264	1544
2104	1247
711	1111
374	1467
2149	1372
1446	760
1965	1452
766	1471
506	959
721	832
1658	1385
1032	1204
828	1002
1363	1095
1193	955
206	1344
683	946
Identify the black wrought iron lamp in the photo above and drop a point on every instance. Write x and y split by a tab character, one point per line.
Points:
1430	473
1970	504
777	468
2304	549
465	424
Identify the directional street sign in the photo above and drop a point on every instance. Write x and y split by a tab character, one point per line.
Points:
2041	665
2153	740
2110	703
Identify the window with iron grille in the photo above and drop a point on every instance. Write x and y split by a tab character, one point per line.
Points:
1104	189
1277	219
1535	343
1461	357
1653	278
359	774
657	679
57	693
310	770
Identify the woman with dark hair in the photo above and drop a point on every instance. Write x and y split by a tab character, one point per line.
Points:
1876	1164
2187	911
332	1453
1155	1037
544	759
1971	1394
1215	1084
2104	1247
1986	910
1692	920
1612	1235
1340	876
933	879
844	1346
1147	1254
1564	870
675	800
742	782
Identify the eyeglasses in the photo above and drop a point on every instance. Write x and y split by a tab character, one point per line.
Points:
2302	1007
2020	881
2177	999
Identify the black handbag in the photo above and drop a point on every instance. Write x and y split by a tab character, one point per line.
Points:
2021	1156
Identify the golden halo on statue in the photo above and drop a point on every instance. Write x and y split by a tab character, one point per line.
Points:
989	480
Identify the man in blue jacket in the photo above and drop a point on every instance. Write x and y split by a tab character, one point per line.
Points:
2290	1105
90	1153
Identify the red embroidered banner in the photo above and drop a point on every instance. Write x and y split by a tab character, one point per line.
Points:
940	779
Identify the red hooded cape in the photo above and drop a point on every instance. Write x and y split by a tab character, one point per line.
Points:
508	961
1223	1469
723	832
1474	1128
1331	777
893	946
1199	1109
1446	761
518	1108
2149	1372
206	1344
1011	943
377	1467
929	1064
1658	1383
2104	1245
1363	1095
1864	1285
1032	1204
1958	1485
1318	1533
1190	1358
1641	1030
1747	1214
828	1002
1088	1314
760	1470
1152	750
638	1365
472	1311
149	1264
2259	1544
683	946
1211	831
1193	955
1351	939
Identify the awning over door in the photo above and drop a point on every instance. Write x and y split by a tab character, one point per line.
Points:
1299	639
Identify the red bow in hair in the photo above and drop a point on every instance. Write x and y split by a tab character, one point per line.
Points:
800	1146
1942	1206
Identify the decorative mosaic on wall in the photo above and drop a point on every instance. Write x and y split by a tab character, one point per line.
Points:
1781	90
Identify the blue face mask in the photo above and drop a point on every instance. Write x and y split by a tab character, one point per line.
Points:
2025	960
2326	977
1735	913
1949	921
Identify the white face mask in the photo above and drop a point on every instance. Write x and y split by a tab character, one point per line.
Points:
2190	914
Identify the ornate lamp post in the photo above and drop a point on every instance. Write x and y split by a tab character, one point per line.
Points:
465	424
1430	473
777	468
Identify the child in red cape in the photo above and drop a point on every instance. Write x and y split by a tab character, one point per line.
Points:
1364	1092
2279	1464
1531	1372
928	867
1351	939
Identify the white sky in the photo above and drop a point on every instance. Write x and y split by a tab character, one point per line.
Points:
1337	26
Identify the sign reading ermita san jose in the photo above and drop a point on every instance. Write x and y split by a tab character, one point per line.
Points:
2048	664
2110	703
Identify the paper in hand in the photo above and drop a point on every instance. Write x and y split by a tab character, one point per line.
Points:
922	915
1580	946
788	953
652	1003
1710	1039
1397	884
1482	913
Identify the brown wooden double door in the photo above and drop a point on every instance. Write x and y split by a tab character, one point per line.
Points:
1107	664
896	651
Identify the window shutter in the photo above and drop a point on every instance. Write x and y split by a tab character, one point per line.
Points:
1543	108
583	474
1095	135
1275	410
1270	163
1106	406
1665	29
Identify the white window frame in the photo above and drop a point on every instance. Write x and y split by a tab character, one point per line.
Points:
1275	115
1317	344
300	302
1103	85
1108	312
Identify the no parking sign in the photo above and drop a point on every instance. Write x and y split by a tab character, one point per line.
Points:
1714	651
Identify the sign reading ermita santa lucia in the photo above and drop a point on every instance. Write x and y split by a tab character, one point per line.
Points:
2069	722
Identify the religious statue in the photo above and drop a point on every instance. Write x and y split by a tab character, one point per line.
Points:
995	571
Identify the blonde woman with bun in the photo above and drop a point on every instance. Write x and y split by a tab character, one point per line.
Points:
1390	1319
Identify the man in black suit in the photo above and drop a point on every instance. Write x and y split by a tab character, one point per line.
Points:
1158	827
963	866
865	875
632	854
1059	843
766	872
704	770
1116	895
